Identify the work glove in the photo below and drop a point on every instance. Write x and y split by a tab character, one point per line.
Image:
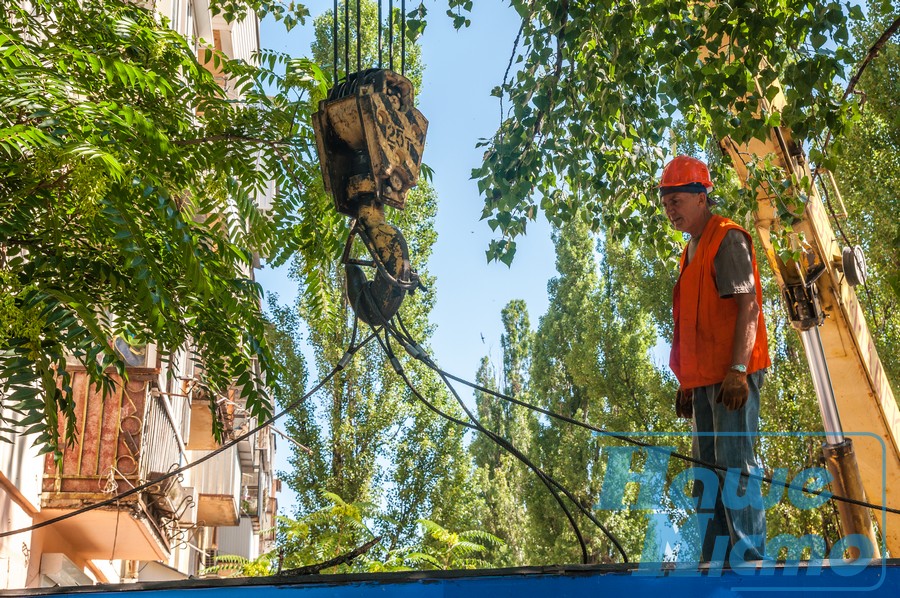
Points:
684	403
734	390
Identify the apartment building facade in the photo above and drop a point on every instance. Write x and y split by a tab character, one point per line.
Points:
154	423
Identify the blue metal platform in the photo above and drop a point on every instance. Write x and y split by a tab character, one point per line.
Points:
879	578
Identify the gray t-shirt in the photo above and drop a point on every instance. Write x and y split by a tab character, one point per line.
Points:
734	268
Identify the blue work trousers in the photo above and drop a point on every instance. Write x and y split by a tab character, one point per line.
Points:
727	438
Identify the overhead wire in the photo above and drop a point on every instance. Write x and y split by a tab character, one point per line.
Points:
341	364
508	446
475	425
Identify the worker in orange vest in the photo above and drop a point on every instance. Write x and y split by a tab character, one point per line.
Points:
719	355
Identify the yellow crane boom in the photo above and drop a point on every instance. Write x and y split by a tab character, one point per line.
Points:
846	360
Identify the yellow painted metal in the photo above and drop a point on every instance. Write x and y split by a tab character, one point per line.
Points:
370	138
841	462
868	410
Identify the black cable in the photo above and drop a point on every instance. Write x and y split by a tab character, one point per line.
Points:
391	35
407	285
341	364
403	37
346	38
358	37
419	354
508	446
334	42
647	445
503	443
548	481
379	34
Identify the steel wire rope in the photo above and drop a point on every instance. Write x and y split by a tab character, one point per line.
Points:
403	37
379	34
406	285
334	42
341	364
431	365
390	35
346	39
358	37
545	478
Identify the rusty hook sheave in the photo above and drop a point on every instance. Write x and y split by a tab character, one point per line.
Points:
370	139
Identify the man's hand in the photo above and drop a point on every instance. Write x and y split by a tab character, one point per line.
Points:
684	403
734	390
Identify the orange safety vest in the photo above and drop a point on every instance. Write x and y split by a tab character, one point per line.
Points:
704	322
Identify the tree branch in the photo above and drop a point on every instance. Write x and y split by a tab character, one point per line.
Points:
338	560
873	52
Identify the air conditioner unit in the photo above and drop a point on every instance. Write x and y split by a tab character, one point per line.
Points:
58	570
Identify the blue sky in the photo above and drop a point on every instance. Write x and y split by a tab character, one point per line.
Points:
461	69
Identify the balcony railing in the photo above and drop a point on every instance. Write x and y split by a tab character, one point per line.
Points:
105	460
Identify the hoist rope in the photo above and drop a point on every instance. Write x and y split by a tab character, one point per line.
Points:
403	37
391	35
341	364
358	37
346	38
334	44
407	285
379	34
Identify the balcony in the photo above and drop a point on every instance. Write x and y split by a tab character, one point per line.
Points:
121	441
203	416
217	483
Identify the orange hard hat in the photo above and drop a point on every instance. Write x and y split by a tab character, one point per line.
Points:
685	173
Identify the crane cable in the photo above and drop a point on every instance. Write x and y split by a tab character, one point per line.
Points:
341	364
335	33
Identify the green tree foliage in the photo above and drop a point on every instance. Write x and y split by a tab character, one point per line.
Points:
607	79
128	200
340	527
371	440
591	362
454	550
501	480
868	176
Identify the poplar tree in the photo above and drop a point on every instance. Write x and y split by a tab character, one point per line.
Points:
371	439
501	479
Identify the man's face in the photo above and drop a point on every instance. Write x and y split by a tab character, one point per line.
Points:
686	211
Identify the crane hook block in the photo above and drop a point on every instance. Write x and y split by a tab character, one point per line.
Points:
370	139
377	301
